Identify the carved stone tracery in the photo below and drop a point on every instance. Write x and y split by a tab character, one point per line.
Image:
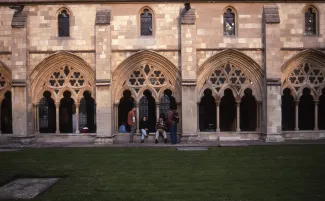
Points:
305	75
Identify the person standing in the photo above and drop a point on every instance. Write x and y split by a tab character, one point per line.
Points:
132	123
172	121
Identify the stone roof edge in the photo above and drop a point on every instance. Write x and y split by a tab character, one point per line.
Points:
10	2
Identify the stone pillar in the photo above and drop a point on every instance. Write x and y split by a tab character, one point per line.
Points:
157	111
57	117
188	68
316	116
137	120
77	118
22	113
218	116
116	118
297	115
36	118
272	128
103	76
238	117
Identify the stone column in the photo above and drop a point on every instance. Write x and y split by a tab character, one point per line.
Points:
137	117
157	110
316	116
57	117
238	117
104	115
37	118
188	69
218	116
77	118
272	128
116	117
297	115
22	113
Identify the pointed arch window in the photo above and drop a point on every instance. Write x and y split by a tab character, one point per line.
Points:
229	22
310	21
146	22
64	24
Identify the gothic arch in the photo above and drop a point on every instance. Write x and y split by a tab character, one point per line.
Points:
135	67
152	90
231	69
60	72
306	69
5	80
162	90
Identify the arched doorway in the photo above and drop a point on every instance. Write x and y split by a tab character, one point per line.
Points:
66	76
227	111
147	107
125	105
306	111
152	79
87	114
248	111
304	74
47	114
67	110
6	114
237	82
207	112
288	110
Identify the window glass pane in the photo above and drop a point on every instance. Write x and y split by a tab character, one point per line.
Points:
64	25
146	23
229	23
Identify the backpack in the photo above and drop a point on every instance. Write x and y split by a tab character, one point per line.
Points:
175	117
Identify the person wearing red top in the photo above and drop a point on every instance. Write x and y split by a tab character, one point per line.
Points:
132	123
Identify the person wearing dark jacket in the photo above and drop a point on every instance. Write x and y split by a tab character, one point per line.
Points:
144	128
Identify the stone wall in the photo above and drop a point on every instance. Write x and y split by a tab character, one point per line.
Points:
187	46
43	28
5	30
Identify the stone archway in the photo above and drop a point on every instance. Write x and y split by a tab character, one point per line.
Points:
142	72
58	74
303	81
228	74
5	100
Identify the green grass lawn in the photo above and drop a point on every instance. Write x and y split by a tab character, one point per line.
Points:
241	173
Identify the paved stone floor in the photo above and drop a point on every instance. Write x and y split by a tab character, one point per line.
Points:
26	188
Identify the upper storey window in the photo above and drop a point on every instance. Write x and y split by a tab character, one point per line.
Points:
146	22
310	21
229	23
64	24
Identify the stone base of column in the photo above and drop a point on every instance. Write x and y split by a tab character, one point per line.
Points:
24	140
104	140
272	138
189	138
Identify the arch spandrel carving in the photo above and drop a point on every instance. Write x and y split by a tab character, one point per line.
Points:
304	70
230	69
5	80
149	70
60	72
